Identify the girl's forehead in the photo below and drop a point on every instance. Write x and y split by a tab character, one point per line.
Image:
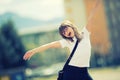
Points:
65	29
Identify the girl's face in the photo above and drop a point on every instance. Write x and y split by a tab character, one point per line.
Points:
68	32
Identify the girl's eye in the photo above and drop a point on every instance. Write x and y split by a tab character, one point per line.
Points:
64	31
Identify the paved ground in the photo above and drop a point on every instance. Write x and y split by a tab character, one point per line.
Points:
105	74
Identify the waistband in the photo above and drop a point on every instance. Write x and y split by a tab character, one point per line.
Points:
78	69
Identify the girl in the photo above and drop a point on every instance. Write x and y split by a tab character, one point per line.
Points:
77	67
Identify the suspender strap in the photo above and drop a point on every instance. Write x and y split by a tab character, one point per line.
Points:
68	60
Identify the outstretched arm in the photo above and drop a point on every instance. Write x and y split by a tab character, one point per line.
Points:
92	13
30	53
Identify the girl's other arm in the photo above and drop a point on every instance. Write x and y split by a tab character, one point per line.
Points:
30	53
92	14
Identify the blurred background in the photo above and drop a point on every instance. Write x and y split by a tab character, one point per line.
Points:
26	24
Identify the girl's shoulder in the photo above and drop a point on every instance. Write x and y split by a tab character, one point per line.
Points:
64	42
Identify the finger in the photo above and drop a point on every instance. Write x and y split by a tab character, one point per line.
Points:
25	57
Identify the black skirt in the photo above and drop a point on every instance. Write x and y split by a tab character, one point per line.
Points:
76	73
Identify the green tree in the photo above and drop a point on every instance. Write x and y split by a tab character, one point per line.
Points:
11	47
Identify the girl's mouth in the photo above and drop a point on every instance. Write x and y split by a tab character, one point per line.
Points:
69	34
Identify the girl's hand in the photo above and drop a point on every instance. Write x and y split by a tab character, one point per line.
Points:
28	55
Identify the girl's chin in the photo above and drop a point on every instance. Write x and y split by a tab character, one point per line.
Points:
72	36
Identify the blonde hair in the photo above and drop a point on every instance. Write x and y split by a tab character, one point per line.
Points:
66	24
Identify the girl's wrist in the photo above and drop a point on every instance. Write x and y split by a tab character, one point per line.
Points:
35	50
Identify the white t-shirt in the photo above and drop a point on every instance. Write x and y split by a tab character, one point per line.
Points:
81	57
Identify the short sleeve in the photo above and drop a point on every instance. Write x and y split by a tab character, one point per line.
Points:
63	43
85	32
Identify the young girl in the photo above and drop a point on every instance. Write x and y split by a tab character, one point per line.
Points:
77	67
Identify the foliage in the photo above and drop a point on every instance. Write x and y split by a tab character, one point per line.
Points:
48	57
11	47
